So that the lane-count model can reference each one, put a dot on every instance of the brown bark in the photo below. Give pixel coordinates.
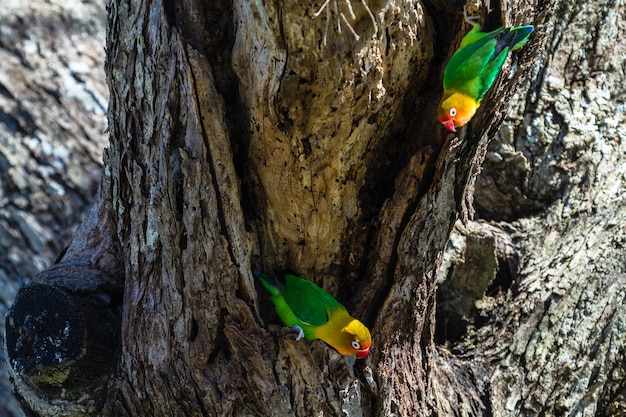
(277, 136)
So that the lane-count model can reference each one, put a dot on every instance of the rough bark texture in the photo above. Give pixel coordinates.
(549, 337)
(280, 136)
(53, 99)
(566, 314)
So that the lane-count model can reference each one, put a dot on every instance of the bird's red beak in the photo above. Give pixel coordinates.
(362, 353)
(449, 124)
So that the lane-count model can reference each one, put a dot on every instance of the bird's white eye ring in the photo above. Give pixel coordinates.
(452, 112)
(356, 344)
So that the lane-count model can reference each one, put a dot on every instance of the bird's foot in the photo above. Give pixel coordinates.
(300, 332)
(471, 19)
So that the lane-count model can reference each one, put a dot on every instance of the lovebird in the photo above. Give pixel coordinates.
(317, 315)
(473, 69)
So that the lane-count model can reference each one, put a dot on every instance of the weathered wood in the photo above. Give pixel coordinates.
(322, 106)
(63, 330)
(53, 100)
(62, 343)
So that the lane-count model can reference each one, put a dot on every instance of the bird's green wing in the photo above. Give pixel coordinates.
(466, 70)
(309, 303)
(476, 64)
(473, 36)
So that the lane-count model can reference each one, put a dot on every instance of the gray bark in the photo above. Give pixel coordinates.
(53, 99)
(549, 336)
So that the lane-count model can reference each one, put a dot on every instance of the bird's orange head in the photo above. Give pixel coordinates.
(357, 339)
(455, 110)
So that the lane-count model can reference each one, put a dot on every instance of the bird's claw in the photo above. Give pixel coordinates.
(300, 332)
(471, 19)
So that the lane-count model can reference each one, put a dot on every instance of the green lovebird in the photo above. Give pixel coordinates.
(317, 315)
(473, 69)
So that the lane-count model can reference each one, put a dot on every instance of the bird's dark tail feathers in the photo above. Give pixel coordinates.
(518, 36)
(269, 283)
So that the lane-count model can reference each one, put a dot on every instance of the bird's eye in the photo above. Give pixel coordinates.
(452, 112)
(356, 344)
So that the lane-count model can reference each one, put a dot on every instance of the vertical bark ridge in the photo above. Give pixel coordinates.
(190, 190)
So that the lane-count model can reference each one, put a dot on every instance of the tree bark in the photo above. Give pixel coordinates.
(53, 99)
(279, 136)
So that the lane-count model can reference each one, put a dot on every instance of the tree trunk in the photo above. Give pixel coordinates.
(53, 99)
(285, 137)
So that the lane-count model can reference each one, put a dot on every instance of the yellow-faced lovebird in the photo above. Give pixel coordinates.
(317, 315)
(473, 69)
